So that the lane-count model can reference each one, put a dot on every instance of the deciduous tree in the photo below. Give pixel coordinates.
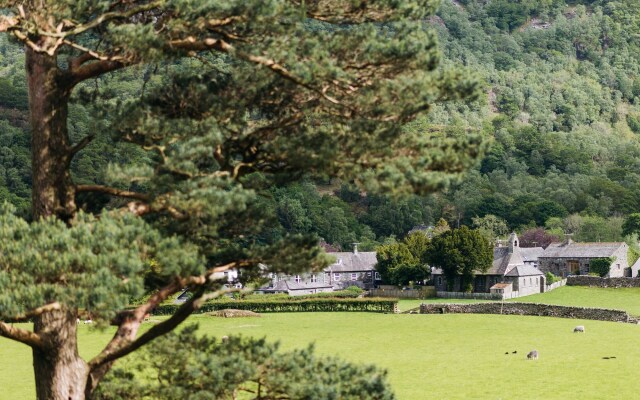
(460, 253)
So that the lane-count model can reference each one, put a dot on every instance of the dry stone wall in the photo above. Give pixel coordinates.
(598, 314)
(585, 280)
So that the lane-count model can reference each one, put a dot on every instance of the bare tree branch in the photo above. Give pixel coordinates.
(21, 335)
(157, 330)
(81, 144)
(123, 341)
(97, 68)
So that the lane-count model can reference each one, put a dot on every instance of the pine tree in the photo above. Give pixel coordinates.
(273, 90)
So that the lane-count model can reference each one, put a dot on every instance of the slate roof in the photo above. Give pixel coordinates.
(500, 286)
(285, 286)
(524, 270)
(531, 254)
(353, 262)
(503, 261)
(581, 250)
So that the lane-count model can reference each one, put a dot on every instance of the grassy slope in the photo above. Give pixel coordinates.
(436, 356)
(627, 299)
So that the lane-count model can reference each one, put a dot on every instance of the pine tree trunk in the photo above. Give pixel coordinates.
(60, 373)
(53, 192)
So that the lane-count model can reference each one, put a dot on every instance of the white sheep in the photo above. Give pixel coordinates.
(579, 328)
(533, 355)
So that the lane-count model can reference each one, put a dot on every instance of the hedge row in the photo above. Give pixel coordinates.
(306, 305)
(339, 294)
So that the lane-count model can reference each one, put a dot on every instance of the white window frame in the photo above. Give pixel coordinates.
(297, 278)
(354, 276)
(377, 276)
(336, 276)
(314, 278)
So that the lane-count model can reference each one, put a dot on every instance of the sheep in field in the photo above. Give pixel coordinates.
(579, 328)
(533, 355)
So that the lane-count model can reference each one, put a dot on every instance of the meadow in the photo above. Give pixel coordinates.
(429, 356)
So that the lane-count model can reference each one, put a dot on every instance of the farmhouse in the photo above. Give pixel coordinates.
(571, 258)
(296, 285)
(350, 269)
(353, 269)
(508, 273)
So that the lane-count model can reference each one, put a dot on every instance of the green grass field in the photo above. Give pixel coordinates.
(448, 356)
(627, 299)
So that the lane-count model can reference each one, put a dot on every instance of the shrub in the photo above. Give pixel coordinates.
(551, 278)
(600, 266)
(304, 305)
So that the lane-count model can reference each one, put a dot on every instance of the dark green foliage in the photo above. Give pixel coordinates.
(315, 304)
(550, 278)
(633, 123)
(600, 266)
(403, 262)
(631, 224)
(94, 264)
(460, 253)
(209, 368)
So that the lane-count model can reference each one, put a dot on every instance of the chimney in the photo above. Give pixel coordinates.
(567, 239)
(513, 242)
(355, 248)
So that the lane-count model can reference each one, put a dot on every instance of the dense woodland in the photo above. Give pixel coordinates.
(559, 114)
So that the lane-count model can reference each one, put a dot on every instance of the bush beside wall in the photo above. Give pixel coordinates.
(305, 305)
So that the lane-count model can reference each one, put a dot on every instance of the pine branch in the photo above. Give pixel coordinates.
(97, 68)
(123, 341)
(81, 144)
(106, 17)
(113, 192)
(38, 311)
(157, 330)
(21, 335)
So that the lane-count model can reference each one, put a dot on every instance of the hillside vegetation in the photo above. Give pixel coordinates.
(559, 113)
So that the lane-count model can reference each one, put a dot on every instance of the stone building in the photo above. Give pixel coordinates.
(508, 273)
(353, 269)
(571, 258)
(350, 269)
(297, 285)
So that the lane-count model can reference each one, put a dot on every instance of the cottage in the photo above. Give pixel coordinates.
(352, 269)
(571, 258)
(296, 286)
(508, 273)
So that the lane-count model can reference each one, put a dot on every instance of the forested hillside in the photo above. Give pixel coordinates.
(560, 113)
